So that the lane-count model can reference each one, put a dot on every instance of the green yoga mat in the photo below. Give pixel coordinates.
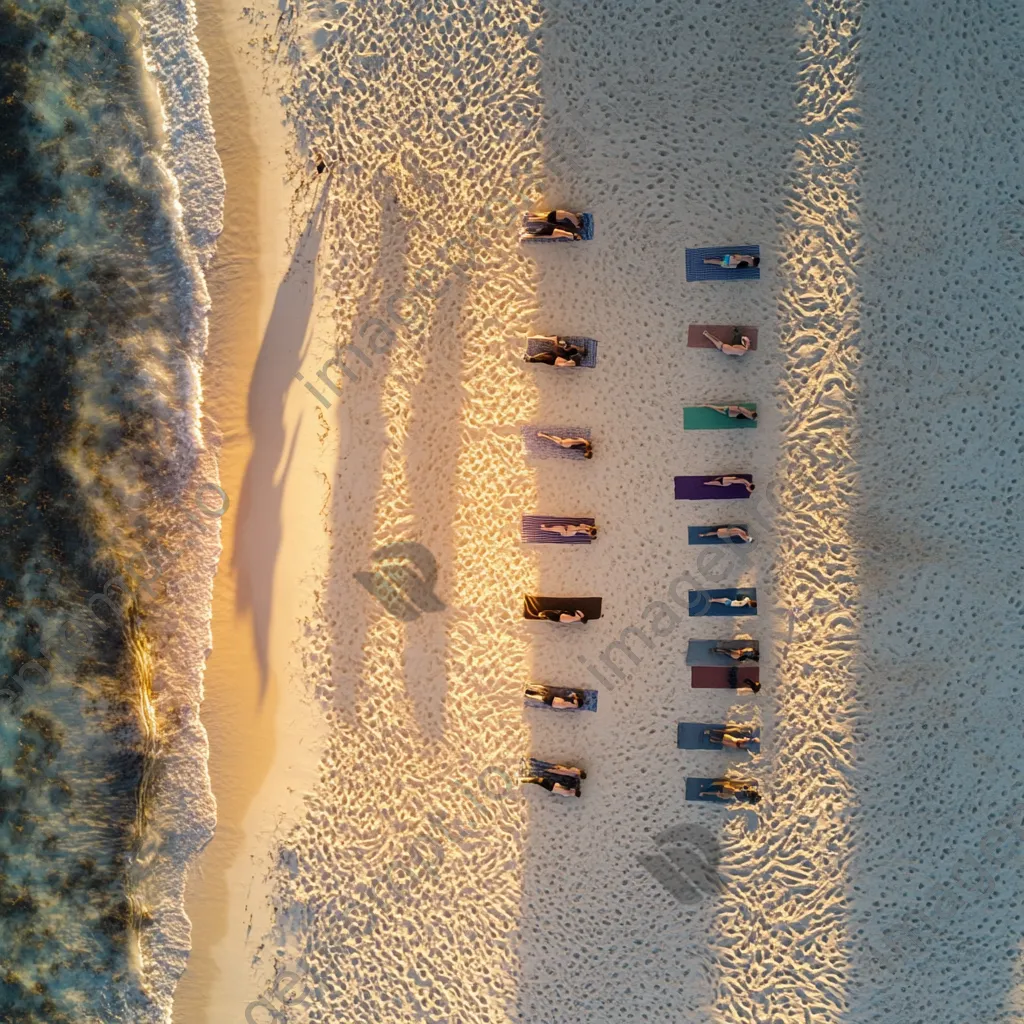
(697, 417)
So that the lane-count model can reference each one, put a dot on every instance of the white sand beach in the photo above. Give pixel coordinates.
(372, 841)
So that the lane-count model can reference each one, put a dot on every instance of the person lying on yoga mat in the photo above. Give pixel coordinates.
(735, 602)
(731, 789)
(565, 530)
(725, 532)
(734, 412)
(570, 442)
(728, 481)
(738, 346)
(556, 224)
(573, 699)
(734, 736)
(552, 786)
(738, 653)
(742, 685)
(734, 261)
(561, 769)
(553, 615)
(564, 355)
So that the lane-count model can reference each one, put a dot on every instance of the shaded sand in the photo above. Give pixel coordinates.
(886, 851)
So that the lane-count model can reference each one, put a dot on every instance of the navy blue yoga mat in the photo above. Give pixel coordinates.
(700, 603)
(698, 270)
(692, 736)
(696, 488)
(694, 534)
(589, 346)
(532, 532)
(589, 699)
(541, 448)
(698, 652)
(586, 231)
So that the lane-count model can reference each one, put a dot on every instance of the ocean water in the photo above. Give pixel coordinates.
(109, 503)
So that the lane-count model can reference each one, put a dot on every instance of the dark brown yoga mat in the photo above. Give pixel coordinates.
(695, 335)
(712, 677)
(534, 605)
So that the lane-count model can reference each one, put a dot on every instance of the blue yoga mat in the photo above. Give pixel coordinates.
(533, 534)
(589, 700)
(589, 345)
(696, 488)
(694, 534)
(701, 605)
(698, 270)
(698, 652)
(586, 230)
(541, 448)
(691, 736)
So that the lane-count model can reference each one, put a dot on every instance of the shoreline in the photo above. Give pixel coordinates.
(257, 748)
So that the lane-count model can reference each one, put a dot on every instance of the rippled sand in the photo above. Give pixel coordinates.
(870, 153)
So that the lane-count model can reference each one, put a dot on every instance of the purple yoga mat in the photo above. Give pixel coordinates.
(695, 335)
(693, 488)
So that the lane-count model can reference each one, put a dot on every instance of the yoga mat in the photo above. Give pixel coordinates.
(693, 534)
(586, 230)
(695, 336)
(589, 345)
(589, 700)
(541, 448)
(690, 736)
(693, 488)
(698, 270)
(700, 604)
(533, 534)
(698, 652)
(694, 788)
(533, 605)
(718, 677)
(699, 417)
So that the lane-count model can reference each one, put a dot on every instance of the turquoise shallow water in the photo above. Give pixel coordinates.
(100, 332)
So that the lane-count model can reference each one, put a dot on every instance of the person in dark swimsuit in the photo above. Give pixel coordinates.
(562, 355)
(738, 653)
(735, 683)
(557, 224)
(572, 699)
(565, 617)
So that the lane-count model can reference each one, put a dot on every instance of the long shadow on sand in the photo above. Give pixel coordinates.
(258, 537)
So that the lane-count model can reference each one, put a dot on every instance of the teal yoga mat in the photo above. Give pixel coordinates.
(697, 417)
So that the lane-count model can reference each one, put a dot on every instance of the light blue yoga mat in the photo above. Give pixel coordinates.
(532, 532)
(700, 603)
(534, 346)
(589, 700)
(693, 736)
(698, 652)
(586, 231)
(700, 417)
(541, 448)
(698, 270)
(694, 534)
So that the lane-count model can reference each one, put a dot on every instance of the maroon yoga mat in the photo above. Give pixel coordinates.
(714, 677)
(695, 336)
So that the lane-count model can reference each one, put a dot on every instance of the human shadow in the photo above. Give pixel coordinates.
(259, 529)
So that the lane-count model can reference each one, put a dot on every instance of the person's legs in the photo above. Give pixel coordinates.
(542, 357)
